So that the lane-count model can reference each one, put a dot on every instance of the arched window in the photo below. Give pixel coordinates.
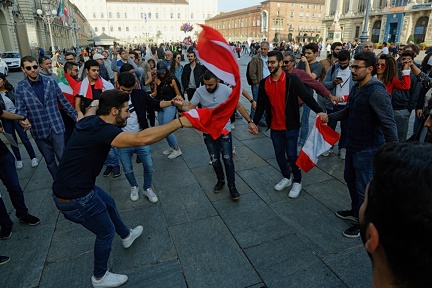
(420, 29)
(361, 5)
(333, 5)
(376, 29)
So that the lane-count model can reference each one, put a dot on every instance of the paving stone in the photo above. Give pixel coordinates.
(331, 193)
(262, 181)
(287, 262)
(262, 146)
(206, 177)
(333, 166)
(251, 221)
(196, 155)
(316, 225)
(185, 204)
(246, 159)
(352, 266)
(171, 173)
(166, 274)
(241, 133)
(209, 255)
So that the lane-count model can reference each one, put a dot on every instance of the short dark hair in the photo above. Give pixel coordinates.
(368, 57)
(134, 53)
(126, 79)
(69, 54)
(90, 63)
(276, 53)
(27, 58)
(415, 48)
(126, 67)
(209, 75)
(335, 44)
(191, 51)
(344, 55)
(111, 98)
(69, 66)
(399, 204)
(408, 53)
(152, 60)
(311, 46)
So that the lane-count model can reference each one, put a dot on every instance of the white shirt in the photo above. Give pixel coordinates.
(343, 89)
(385, 51)
(132, 122)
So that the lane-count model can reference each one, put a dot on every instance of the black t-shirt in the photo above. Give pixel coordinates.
(84, 157)
(85, 102)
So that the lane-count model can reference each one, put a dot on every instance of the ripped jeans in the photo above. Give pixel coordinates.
(215, 147)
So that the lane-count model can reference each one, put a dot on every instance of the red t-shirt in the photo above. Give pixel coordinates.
(276, 92)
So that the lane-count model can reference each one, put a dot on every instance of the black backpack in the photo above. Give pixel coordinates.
(249, 80)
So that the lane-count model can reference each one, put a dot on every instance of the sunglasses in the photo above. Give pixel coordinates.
(28, 68)
(286, 61)
(382, 66)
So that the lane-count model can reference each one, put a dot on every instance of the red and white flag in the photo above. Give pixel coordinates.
(217, 56)
(321, 139)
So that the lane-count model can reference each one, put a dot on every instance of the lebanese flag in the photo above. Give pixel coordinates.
(83, 88)
(321, 139)
(217, 56)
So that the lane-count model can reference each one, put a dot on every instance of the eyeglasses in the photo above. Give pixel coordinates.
(286, 61)
(356, 67)
(28, 68)
(271, 62)
(382, 66)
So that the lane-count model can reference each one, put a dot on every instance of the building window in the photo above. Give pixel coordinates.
(109, 15)
(300, 14)
(399, 3)
(96, 29)
(208, 16)
(103, 29)
(118, 14)
(157, 15)
(292, 5)
(178, 16)
(278, 22)
(102, 15)
(127, 29)
(307, 6)
(361, 5)
(191, 16)
(125, 15)
(357, 32)
(292, 14)
(94, 14)
(333, 5)
(301, 5)
(111, 28)
(149, 15)
(172, 15)
(277, 13)
(119, 29)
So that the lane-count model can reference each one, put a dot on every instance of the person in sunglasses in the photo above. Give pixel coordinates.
(387, 73)
(37, 98)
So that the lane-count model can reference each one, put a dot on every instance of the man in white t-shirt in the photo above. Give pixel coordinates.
(385, 50)
(211, 95)
(338, 80)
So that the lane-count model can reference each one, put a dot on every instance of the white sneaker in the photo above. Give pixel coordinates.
(109, 280)
(19, 164)
(175, 154)
(232, 126)
(151, 195)
(285, 182)
(133, 235)
(168, 151)
(342, 153)
(295, 190)
(34, 162)
(134, 193)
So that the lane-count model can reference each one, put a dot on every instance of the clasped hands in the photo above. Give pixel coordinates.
(25, 124)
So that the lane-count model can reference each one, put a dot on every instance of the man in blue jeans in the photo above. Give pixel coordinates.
(211, 95)
(9, 177)
(139, 100)
(370, 122)
(74, 191)
(278, 97)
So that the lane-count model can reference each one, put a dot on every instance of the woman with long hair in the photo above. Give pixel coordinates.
(165, 88)
(7, 102)
(176, 69)
(387, 71)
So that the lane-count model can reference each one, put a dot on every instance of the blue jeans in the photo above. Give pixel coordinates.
(343, 125)
(12, 126)
(112, 158)
(358, 173)
(304, 130)
(255, 89)
(97, 212)
(164, 116)
(223, 145)
(9, 177)
(144, 153)
(51, 148)
(285, 143)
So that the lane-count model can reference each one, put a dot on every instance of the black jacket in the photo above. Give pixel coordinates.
(198, 73)
(141, 100)
(294, 88)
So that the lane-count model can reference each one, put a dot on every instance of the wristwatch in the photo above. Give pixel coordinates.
(250, 121)
(251, 101)
(93, 105)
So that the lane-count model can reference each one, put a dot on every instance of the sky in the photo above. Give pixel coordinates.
(230, 5)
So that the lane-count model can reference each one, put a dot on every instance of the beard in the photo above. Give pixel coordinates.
(334, 54)
(275, 70)
(120, 122)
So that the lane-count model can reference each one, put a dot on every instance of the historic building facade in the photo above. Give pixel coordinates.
(289, 20)
(389, 20)
(136, 21)
(22, 28)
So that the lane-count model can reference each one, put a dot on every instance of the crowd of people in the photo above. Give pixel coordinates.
(103, 110)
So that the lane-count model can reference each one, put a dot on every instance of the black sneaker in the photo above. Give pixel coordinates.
(235, 195)
(218, 187)
(116, 171)
(352, 232)
(4, 259)
(30, 220)
(108, 171)
(5, 232)
(347, 215)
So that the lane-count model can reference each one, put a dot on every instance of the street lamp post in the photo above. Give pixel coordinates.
(364, 36)
(75, 27)
(48, 17)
